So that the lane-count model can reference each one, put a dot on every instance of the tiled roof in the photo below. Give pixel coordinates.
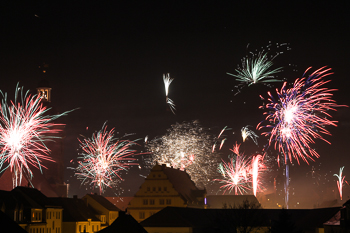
(8, 225)
(212, 218)
(104, 202)
(182, 183)
(125, 223)
(120, 202)
(74, 209)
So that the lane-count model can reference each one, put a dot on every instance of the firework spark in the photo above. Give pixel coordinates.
(235, 174)
(167, 81)
(186, 146)
(256, 68)
(340, 182)
(24, 129)
(246, 132)
(299, 115)
(103, 157)
(256, 168)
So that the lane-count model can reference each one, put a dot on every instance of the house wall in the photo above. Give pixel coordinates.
(53, 218)
(110, 215)
(155, 193)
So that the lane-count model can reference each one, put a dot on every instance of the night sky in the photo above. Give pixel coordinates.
(107, 59)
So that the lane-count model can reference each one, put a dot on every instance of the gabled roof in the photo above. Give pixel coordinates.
(182, 183)
(213, 218)
(74, 209)
(120, 202)
(103, 201)
(8, 225)
(125, 223)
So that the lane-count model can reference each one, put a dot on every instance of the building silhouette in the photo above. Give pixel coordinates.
(165, 186)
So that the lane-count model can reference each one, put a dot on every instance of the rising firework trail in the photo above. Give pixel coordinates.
(167, 81)
(340, 182)
(256, 168)
(298, 116)
(186, 146)
(103, 157)
(25, 126)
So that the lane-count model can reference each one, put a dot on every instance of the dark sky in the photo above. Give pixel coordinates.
(107, 58)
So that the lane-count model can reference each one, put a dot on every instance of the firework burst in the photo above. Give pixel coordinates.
(167, 81)
(25, 127)
(299, 115)
(256, 68)
(235, 173)
(186, 146)
(103, 157)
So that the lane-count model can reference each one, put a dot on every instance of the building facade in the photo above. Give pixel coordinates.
(164, 187)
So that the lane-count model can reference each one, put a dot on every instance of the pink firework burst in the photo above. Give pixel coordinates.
(235, 173)
(299, 115)
(103, 158)
(25, 127)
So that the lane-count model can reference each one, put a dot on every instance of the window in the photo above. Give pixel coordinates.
(154, 189)
(165, 188)
(93, 228)
(151, 213)
(97, 227)
(53, 224)
(84, 228)
(79, 228)
(159, 188)
(161, 201)
(148, 189)
(151, 201)
(168, 201)
(145, 201)
(142, 215)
